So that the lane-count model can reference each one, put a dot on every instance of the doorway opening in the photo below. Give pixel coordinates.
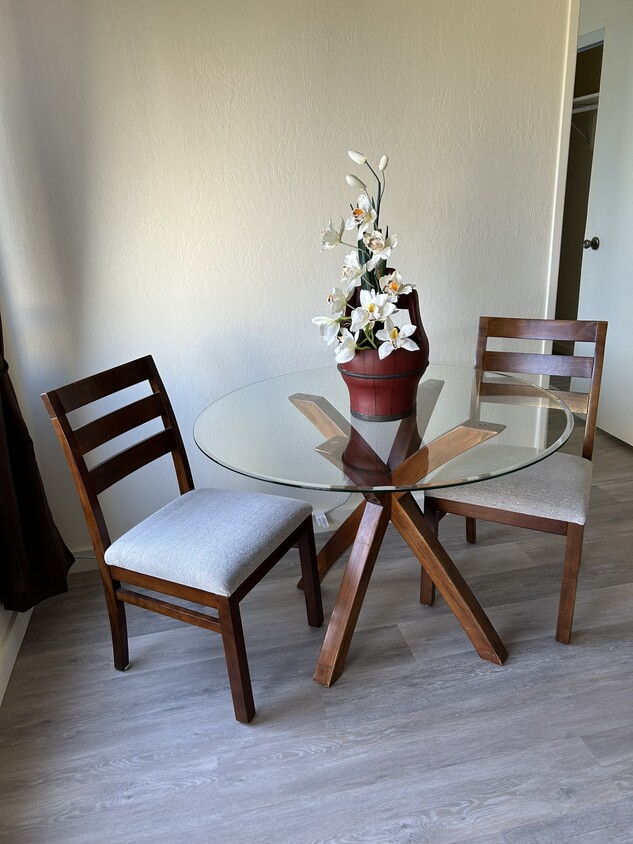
(583, 127)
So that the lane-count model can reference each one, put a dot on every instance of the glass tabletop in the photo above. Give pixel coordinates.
(267, 431)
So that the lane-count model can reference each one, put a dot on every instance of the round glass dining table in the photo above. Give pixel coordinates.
(468, 426)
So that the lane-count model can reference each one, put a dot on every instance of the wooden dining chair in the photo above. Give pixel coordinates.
(552, 495)
(208, 546)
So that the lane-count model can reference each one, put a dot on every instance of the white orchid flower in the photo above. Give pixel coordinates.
(392, 285)
(355, 182)
(351, 273)
(363, 215)
(393, 337)
(346, 348)
(337, 301)
(382, 164)
(358, 157)
(328, 328)
(331, 237)
(379, 246)
(374, 307)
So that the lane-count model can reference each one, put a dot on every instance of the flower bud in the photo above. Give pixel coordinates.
(355, 182)
(358, 157)
(382, 165)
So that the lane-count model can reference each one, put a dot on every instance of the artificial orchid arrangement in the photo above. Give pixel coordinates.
(363, 312)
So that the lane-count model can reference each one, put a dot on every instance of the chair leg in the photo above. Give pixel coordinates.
(471, 529)
(236, 659)
(118, 625)
(427, 587)
(571, 567)
(310, 576)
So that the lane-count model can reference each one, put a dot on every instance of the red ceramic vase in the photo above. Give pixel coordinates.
(383, 390)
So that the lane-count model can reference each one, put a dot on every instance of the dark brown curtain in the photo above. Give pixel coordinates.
(34, 560)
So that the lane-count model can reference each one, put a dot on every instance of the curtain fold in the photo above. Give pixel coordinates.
(34, 560)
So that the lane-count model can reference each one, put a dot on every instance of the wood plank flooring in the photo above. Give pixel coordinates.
(419, 741)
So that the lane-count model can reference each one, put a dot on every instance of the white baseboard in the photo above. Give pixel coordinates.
(12, 636)
(335, 517)
(84, 561)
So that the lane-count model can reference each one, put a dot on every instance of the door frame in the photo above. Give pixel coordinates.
(560, 179)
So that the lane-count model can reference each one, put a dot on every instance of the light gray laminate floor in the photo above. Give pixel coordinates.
(419, 741)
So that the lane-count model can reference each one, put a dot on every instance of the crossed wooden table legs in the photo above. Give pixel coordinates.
(365, 528)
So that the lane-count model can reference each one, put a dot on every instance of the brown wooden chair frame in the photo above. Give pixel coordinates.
(581, 366)
(91, 482)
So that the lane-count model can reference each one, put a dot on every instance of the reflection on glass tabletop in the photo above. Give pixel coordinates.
(297, 430)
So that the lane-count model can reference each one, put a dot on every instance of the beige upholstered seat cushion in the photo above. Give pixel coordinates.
(209, 539)
(555, 488)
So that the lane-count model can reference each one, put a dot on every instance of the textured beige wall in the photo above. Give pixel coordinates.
(595, 14)
(166, 167)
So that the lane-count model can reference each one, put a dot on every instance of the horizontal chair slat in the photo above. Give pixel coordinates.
(98, 386)
(526, 395)
(577, 402)
(131, 459)
(537, 364)
(538, 329)
(190, 616)
(502, 388)
(114, 424)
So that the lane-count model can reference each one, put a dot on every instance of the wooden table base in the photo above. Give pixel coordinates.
(352, 591)
(365, 528)
(402, 510)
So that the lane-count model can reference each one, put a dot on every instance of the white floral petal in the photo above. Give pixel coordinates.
(359, 319)
(331, 237)
(357, 157)
(355, 182)
(348, 286)
(345, 355)
(409, 345)
(385, 350)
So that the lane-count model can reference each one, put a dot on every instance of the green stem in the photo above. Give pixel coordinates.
(368, 331)
(379, 193)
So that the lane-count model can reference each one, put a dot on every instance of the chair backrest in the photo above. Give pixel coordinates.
(568, 365)
(81, 439)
